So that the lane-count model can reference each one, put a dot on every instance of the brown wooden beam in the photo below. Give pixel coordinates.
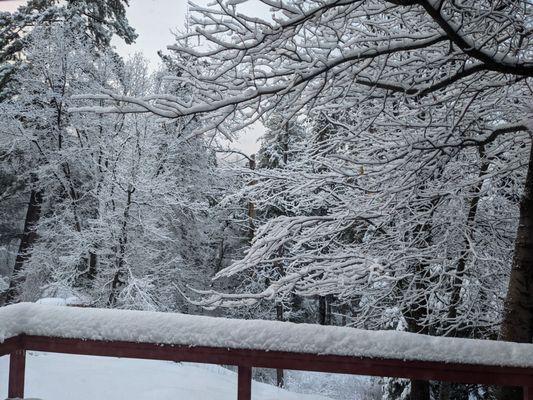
(10, 345)
(528, 392)
(17, 366)
(422, 370)
(244, 387)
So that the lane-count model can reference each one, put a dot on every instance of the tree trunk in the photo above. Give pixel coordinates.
(93, 262)
(29, 236)
(279, 372)
(444, 391)
(517, 324)
(419, 390)
(280, 378)
(251, 205)
(118, 281)
(322, 310)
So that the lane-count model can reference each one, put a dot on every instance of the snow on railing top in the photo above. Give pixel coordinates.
(180, 329)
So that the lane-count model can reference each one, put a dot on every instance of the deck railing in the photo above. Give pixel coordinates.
(246, 359)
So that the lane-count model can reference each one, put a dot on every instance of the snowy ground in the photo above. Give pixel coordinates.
(66, 377)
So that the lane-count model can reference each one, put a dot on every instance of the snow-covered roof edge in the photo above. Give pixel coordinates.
(181, 329)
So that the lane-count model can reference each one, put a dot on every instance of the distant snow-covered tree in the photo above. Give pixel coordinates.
(124, 212)
(101, 20)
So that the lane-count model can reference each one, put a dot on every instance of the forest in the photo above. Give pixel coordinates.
(392, 190)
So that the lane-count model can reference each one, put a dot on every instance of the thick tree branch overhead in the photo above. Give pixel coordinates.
(309, 53)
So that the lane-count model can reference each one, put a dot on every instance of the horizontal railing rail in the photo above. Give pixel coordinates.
(256, 344)
(246, 359)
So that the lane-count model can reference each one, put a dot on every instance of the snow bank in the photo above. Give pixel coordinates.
(180, 329)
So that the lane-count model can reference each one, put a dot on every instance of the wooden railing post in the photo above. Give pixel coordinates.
(17, 366)
(244, 388)
(528, 393)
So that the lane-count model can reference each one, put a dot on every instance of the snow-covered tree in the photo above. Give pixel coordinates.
(101, 20)
(37, 125)
(96, 22)
(124, 201)
(430, 101)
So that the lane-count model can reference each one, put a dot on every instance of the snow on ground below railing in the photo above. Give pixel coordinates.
(67, 377)
(181, 329)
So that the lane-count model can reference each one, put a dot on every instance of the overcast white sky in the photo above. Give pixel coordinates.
(154, 21)
(10, 5)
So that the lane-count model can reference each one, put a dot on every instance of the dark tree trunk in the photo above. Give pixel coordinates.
(445, 390)
(322, 309)
(118, 281)
(29, 236)
(279, 372)
(280, 378)
(419, 390)
(517, 324)
(93, 262)
(251, 205)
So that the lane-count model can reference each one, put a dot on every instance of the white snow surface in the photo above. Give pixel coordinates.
(180, 329)
(66, 377)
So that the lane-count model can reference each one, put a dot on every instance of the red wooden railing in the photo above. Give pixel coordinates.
(17, 346)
